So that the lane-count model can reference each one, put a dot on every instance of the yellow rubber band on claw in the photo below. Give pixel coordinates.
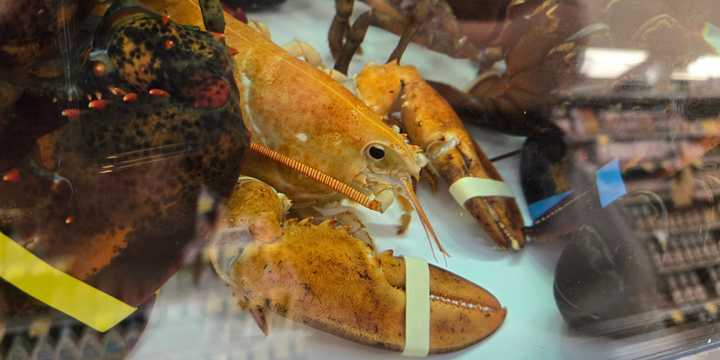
(59, 290)
(417, 307)
(472, 187)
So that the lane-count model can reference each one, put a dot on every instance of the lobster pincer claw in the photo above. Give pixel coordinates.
(431, 123)
(453, 301)
(321, 275)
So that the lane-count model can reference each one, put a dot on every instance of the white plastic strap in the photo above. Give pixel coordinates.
(471, 187)
(417, 307)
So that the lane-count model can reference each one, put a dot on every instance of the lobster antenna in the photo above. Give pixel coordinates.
(317, 175)
(506, 155)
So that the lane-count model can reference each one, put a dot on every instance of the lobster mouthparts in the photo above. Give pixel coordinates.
(322, 276)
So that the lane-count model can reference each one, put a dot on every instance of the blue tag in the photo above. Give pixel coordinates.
(540, 207)
(610, 183)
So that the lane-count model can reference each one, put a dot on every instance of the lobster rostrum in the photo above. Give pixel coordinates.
(327, 276)
(118, 144)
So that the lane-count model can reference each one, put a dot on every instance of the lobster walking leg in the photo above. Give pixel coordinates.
(422, 13)
(340, 26)
(355, 37)
(344, 39)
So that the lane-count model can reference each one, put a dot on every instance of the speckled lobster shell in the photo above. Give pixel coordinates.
(111, 148)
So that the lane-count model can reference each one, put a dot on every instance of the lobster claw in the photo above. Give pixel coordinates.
(431, 123)
(453, 300)
(321, 275)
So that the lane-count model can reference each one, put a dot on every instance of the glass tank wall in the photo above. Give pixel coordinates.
(372, 179)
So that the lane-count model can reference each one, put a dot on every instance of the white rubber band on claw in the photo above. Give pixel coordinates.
(417, 307)
(471, 187)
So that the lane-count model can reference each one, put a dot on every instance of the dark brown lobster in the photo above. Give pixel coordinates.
(113, 121)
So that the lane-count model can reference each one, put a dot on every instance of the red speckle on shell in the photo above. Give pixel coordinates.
(97, 104)
(158, 92)
(117, 91)
(12, 176)
(72, 114)
(212, 94)
(99, 69)
(130, 97)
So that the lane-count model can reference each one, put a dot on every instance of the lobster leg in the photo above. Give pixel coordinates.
(518, 101)
(344, 39)
(340, 26)
(355, 37)
(541, 48)
(444, 33)
(420, 15)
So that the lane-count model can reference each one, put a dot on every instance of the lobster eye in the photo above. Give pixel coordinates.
(376, 152)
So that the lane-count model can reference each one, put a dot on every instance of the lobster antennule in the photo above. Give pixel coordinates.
(429, 230)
